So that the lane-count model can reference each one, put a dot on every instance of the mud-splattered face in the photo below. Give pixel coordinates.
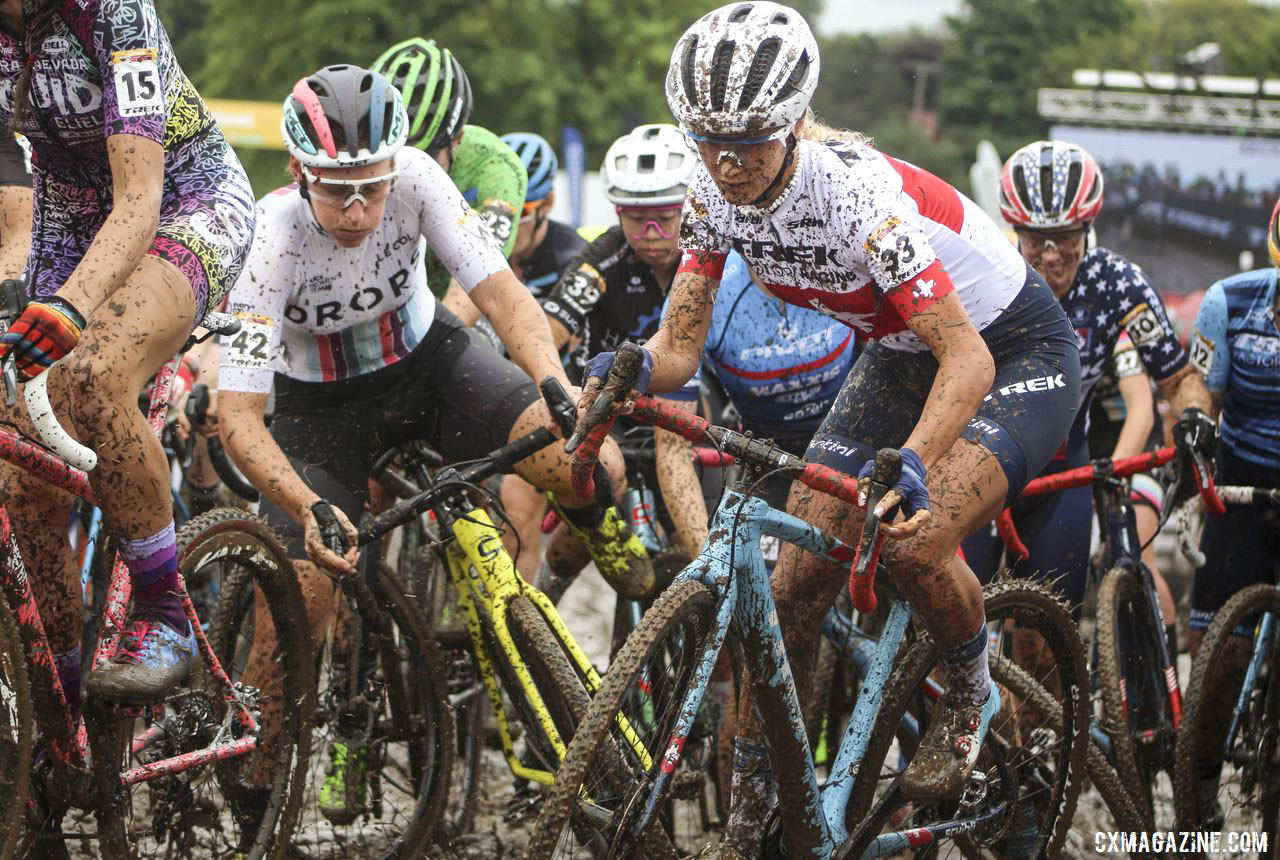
(742, 171)
(1056, 255)
(347, 211)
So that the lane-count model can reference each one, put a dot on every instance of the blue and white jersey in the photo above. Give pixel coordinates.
(781, 365)
(1236, 345)
(1112, 296)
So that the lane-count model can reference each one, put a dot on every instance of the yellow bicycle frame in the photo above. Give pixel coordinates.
(486, 577)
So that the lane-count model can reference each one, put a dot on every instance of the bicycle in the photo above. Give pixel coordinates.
(624, 759)
(512, 645)
(1140, 710)
(1244, 741)
(197, 741)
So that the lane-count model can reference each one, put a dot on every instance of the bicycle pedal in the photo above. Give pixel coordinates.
(687, 785)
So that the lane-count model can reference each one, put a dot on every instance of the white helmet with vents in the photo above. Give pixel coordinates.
(745, 68)
(650, 166)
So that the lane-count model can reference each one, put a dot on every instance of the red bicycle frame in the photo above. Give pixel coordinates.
(53, 713)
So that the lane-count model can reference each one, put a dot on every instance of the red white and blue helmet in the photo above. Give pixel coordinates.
(1273, 236)
(344, 116)
(1050, 184)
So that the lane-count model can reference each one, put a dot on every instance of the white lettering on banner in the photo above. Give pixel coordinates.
(1030, 386)
(1233, 842)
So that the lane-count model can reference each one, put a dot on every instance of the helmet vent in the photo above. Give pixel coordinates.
(644, 164)
(738, 15)
(1020, 185)
(1074, 173)
(796, 80)
(686, 71)
(675, 160)
(761, 64)
(720, 63)
(780, 18)
(1046, 188)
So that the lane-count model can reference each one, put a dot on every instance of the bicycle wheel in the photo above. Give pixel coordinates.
(1247, 796)
(1027, 762)
(15, 732)
(604, 781)
(385, 728)
(1134, 696)
(248, 804)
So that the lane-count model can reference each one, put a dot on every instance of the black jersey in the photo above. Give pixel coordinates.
(550, 259)
(607, 296)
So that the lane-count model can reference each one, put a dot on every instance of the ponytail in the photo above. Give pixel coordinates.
(819, 132)
(38, 20)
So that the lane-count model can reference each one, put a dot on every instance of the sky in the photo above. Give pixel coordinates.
(857, 16)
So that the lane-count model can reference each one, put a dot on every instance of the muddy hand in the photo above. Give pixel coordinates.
(330, 538)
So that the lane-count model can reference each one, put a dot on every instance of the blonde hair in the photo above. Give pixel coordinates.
(818, 131)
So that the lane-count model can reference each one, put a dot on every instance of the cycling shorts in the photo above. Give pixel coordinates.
(206, 226)
(1144, 489)
(454, 391)
(1240, 547)
(1055, 529)
(1023, 421)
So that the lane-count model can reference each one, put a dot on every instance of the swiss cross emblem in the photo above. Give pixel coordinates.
(924, 288)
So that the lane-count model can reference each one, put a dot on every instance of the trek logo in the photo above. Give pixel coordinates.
(1030, 386)
(756, 249)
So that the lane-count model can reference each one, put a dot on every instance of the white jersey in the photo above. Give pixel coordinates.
(865, 238)
(318, 312)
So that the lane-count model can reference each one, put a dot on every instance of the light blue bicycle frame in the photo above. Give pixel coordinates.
(731, 565)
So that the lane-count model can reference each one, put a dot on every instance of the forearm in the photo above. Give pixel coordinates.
(259, 457)
(456, 302)
(1139, 416)
(1186, 389)
(675, 359)
(1133, 437)
(113, 255)
(677, 346)
(523, 329)
(963, 380)
(15, 230)
(678, 482)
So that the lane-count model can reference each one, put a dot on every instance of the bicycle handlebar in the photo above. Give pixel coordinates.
(1101, 468)
(49, 431)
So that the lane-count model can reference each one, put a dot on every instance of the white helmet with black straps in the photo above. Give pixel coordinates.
(650, 166)
(745, 68)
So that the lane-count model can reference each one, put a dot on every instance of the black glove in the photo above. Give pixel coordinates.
(1195, 437)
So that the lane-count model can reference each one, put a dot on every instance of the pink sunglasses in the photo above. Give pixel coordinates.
(643, 232)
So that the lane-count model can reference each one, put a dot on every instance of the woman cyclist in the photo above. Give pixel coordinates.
(971, 370)
(142, 220)
(1051, 191)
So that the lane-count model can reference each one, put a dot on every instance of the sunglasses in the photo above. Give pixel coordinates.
(710, 147)
(1038, 243)
(645, 218)
(341, 193)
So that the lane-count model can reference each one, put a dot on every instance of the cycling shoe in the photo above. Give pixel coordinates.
(949, 750)
(151, 659)
(619, 555)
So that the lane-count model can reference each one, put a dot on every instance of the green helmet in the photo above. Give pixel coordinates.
(437, 94)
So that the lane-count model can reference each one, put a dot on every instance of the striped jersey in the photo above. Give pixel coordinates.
(318, 312)
(862, 237)
(1236, 345)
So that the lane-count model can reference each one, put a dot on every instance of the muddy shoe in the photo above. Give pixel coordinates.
(151, 659)
(946, 756)
(619, 555)
(720, 851)
(342, 796)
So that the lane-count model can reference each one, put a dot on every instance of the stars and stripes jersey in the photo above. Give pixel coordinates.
(318, 312)
(863, 237)
(1112, 297)
(1236, 345)
(782, 368)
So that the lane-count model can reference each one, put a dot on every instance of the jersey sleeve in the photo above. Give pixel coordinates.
(704, 244)
(455, 232)
(248, 360)
(575, 296)
(1147, 323)
(889, 242)
(1210, 353)
(1125, 361)
(501, 187)
(128, 41)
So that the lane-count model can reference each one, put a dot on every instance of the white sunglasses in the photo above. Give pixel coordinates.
(356, 194)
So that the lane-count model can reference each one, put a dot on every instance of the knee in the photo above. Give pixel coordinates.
(913, 561)
(94, 390)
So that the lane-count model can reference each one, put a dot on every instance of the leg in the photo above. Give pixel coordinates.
(525, 505)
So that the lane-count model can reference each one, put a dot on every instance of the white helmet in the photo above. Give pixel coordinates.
(651, 166)
(744, 68)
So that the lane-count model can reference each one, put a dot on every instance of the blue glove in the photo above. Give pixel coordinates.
(910, 485)
(601, 363)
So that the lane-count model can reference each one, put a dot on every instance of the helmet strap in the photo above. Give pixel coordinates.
(782, 172)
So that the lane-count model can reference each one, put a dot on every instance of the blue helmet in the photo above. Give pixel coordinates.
(538, 158)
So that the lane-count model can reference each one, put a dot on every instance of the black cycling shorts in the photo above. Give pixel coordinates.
(1023, 421)
(454, 391)
(1240, 547)
(13, 161)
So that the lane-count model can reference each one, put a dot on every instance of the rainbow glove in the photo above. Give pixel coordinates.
(45, 332)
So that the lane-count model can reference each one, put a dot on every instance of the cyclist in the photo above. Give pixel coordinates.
(338, 316)
(614, 290)
(15, 205)
(493, 181)
(1235, 343)
(544, 249)
(1050, 192)
(142, 219)
(826, 221)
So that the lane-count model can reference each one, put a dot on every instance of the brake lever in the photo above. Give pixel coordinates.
(626, 366)
(560, 404)
(862, 578)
